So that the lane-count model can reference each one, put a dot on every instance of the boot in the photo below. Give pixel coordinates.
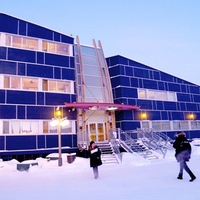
(180, 176)
(192, 178)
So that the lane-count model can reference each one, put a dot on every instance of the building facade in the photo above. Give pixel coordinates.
(167, 103)
(41, 69)
(36, 75)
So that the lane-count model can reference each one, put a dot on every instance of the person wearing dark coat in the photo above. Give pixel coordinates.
(183, 153)
(95, 158)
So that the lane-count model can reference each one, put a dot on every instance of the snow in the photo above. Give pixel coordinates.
(135, 178)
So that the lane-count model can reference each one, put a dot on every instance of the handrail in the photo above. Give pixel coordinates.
(115, 145)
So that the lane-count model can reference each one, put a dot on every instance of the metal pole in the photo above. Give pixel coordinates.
(59, 144)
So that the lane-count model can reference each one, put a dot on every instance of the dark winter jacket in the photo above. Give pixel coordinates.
(183, 148)
(95, 157)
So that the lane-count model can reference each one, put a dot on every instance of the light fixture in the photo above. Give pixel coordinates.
(112, 108)
(143, 116)
(93, 108)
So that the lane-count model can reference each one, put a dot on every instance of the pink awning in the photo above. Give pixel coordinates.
(100, 106)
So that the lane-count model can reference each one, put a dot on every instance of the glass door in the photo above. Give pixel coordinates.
(96, 131)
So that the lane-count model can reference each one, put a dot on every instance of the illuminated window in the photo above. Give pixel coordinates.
(45, 126)
(51, 47)
(6, 82)
(8, 40)
(15, 83)
(52, 85)
(142, 94)
(156, 95)
(63, 86)
(45, 85)
(17, 42)
(30, 43)
(29, 84)
(62, 48)
(44, 46)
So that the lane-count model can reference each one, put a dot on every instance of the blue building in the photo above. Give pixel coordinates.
(167, 103)
(36, 75)
(41, 69)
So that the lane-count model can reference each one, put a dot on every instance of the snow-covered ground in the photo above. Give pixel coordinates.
(135, 178)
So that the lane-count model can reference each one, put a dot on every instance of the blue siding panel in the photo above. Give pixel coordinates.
(20, 142)
(194, 89)
(21, 69)
(21, 112)
(183, 97)
(40, 98)
(164, 115)
(134, 82)
(21, 55)
(39, 32)
(7, 112)
(68, 74)
(39, 112)
(161, 85)
(150, 84)
(170, 106)
(21, 97)
(22, 27)
(71, 62)
(39, 71)
(57, 60)
(141, 73)
(197, 98)
(40, 58)
(177, 116)
(116, 70)
(7, 67)
(56, 99)
(41, 141)
(2, 142)
(174, 87)
(57, 73)
(2, 96)
(191, 106)
(144, 104)
(128, 71)
(2, 52)
(67, 39)
(8, 24)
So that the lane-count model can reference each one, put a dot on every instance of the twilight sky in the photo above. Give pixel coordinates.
(162, 34)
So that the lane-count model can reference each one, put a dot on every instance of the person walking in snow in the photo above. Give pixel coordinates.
(183, 153)
(95, 158)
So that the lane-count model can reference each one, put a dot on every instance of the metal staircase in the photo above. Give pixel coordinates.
(147, 143)
(108, 156)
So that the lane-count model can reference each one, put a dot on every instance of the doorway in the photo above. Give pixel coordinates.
(96, 131)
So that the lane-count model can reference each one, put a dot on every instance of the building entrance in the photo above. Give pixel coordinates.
(96, 131)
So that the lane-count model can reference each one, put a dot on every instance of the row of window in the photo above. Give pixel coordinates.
(24, 127)
(36, 84)
(22, 42)
(156, 95)
(176, 125)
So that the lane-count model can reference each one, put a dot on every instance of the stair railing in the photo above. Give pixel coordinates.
(115, 145)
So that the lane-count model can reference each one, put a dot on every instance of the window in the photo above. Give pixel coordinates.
(5, 127)
(52, 85)
(156, 95)
(17, 42)
(15, 83)
(145, 125)
(142, 94)
(6, 82)
(8, 40)
(29, 43)
(29, 84)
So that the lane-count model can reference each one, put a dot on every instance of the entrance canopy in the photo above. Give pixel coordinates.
(100, 106)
